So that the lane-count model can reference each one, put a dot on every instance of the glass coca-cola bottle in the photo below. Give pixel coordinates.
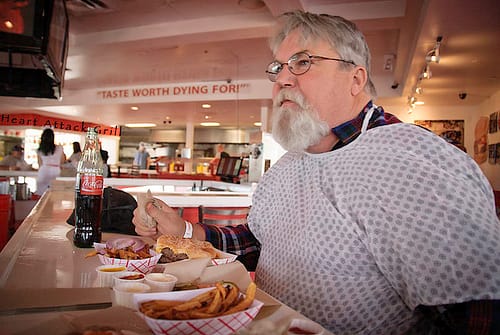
(88, 193)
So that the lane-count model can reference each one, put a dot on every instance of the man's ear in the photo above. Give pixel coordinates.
(360, 77)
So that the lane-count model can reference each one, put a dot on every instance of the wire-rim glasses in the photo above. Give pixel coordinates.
(298, 64)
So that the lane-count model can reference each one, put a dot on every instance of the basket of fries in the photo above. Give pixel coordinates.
(142, 260)
(216, 311)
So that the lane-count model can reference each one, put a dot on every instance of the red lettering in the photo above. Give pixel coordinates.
(113, 94)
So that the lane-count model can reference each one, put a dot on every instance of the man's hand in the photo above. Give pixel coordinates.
(168, 220)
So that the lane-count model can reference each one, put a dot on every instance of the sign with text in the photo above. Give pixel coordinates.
(173, 90)
(40, 121)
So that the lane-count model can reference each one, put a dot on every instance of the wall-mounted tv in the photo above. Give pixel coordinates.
(33, 48)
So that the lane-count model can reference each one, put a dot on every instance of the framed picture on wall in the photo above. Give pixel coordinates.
(493, 122)
(451, 130)
(498, 120)
(497, 155)
(492, 153)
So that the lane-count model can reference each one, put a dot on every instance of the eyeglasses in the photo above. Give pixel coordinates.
(298, 64)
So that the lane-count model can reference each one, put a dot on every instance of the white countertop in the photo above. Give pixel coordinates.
(41, 257)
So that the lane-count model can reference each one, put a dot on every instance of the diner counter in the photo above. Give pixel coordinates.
(177, 193)
(41, 267)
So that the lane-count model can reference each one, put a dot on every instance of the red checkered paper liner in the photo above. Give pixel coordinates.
(145, 265)
(222, 325)
(223, 258)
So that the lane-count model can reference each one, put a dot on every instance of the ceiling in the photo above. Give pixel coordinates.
(121, 44)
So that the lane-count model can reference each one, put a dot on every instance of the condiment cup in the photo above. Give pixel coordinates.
(123, 293)
(106, 273)
(128, 277)
(161, 282)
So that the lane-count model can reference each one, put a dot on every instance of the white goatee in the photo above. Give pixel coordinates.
(298, 127)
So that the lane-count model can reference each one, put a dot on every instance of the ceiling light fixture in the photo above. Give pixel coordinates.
(210, 124)
(433, 57)
(206, 106)
(257, 124)
(140, 125)
(433, 54)
(8, 24)
(426, 73)
(134, 108)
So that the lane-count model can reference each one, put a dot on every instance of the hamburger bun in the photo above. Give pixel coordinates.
(191, 247)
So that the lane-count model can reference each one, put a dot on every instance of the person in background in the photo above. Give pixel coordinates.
(105, 157)
(366, 225)
(76, 155)
(15, 160)
(50, 159)
(141, 157)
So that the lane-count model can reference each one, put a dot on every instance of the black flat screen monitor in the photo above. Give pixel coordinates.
(33, 47)
(229, 168)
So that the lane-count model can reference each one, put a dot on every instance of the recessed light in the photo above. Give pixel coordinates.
(419, 102)
(257, 124)
(206, 106)
(8, 24)
(134, 108)
(210, 124)
(140, 125)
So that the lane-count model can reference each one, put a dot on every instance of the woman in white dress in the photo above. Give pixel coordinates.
(76, 155)
(50, 159)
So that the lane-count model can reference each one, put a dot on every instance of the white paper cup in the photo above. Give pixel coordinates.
(161, 282)
(106, 273)
(123, 293)
(128, 277)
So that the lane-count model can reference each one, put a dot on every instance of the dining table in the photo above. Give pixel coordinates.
(47, 283)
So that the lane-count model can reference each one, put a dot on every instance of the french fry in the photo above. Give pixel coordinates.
(231, 297)
(164, 314)
(207, 296)
(157, 304)
(186, 306)
(91, 254)
(246, 302)
(221, 289)
(216, 303)
(184, 315)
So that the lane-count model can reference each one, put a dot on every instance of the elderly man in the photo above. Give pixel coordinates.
(366, 225)
(15, 160)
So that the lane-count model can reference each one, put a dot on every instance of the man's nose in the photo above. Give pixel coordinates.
(286, 78)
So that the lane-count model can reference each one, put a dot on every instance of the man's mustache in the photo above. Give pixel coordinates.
(287, 95)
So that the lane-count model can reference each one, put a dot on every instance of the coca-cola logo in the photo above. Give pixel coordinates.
(91, 184)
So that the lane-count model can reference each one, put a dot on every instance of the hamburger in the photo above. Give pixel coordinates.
(191, 248)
